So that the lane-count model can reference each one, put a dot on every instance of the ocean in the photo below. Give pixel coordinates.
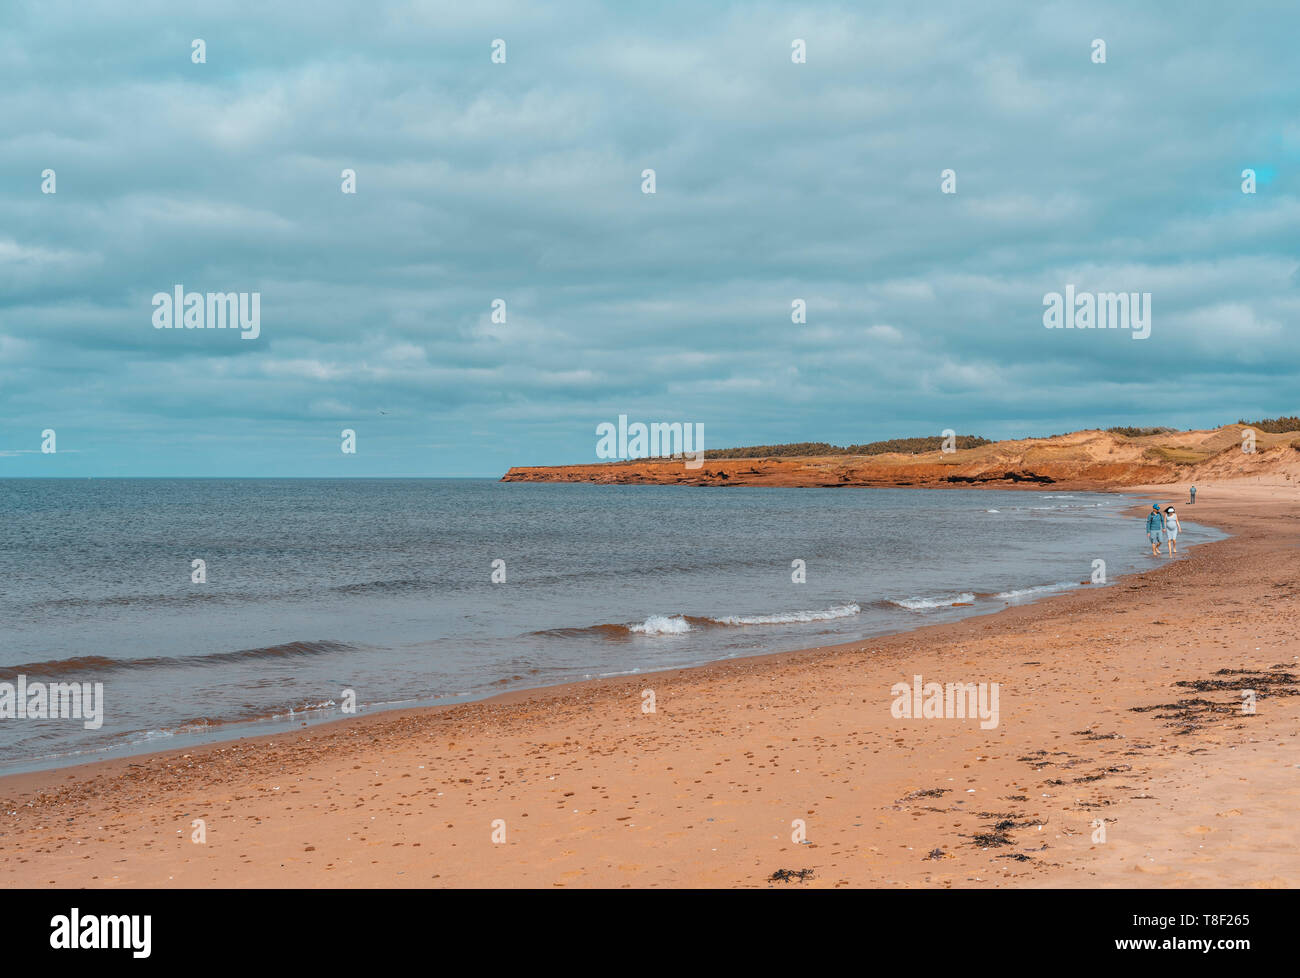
(386, 588)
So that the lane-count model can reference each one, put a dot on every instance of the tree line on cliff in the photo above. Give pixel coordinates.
(906, 446)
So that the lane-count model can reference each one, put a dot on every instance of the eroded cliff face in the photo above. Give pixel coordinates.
(1081, 460)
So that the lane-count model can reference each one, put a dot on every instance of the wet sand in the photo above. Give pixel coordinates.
(590, 790)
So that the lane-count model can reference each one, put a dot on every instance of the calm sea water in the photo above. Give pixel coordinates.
(385, 587)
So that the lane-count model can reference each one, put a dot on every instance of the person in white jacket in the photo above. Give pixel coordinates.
(1171, 529)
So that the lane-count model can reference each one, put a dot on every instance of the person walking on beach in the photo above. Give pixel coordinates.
(1171, 529)
(1155, 529)
(1193, 494)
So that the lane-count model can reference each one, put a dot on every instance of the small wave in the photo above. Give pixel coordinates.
(604, 631)
(921, 604)
(1026, 592)
(98, 663)
(992, 510)
(304, 709)
(681, 624)
(662, 625)
(791, 617)
(208, 597)
(197, 597)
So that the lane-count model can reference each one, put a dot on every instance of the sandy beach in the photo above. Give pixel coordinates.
(1119, 705)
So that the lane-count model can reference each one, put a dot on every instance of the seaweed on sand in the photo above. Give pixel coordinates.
(1003, 822)
(786, 875)
(991, 840)
(1191, 714)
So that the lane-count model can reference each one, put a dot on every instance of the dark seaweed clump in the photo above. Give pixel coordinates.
(1191, 714)
(786, 875)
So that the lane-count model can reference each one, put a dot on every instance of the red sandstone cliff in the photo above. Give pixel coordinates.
(1082, 460)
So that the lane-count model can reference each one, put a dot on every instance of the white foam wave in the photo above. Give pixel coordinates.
(792, 617)
(919, 604)
(662, 625)
(1026, 592)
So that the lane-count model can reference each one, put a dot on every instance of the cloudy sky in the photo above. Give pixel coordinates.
(521, 181)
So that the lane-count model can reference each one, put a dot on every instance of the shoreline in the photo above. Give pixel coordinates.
(283, 725)
(146, 797)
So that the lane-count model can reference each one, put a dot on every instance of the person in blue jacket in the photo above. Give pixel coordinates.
(1155, 529)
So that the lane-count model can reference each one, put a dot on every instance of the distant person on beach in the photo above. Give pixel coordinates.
(1155, 529)
(1193, 494)
(1171, 529)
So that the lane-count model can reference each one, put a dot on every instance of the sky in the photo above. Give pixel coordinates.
(478, 180)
